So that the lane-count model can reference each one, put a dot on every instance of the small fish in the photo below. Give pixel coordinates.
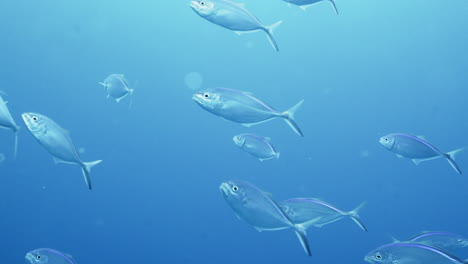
(259, 210)
(117, 87)
(304, 4)
(243, 108)
(48, 256)
(233, 16)
(417, 149)
(314, 212)
(256, 146)
(6, 121)
(411, 253)
(57, 142)
(445, 240)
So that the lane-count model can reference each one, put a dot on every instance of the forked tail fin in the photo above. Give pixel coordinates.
(269, 30)
(289, 118)
(302, 236)
(354, 214)
(451, 159)
(86, 169)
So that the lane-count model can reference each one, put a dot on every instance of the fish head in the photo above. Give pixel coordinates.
(203, 8)
(387, 141)
(462, 242)
(378, 256)
(36, 257)
(36, 123)
(234, 193)
(239, 140)
(208, 100)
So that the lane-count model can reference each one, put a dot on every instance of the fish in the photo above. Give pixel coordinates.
(304, 4)
(315, 212)
(256, 146)
(445, 240)
(259, 210)
(57, 142)
(233, 16)
(48, 256)
(7, 121)
(242, 107)
(411, 253)
(117, 87)
(417, 149)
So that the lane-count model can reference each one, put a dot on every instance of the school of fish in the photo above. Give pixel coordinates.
(249, 203)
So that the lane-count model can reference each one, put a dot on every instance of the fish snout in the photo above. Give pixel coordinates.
(194, 4)
(224, 188)
(198, 98)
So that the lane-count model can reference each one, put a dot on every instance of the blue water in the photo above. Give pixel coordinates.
(377, 68)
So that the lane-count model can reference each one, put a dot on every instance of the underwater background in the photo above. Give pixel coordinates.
(377, 68)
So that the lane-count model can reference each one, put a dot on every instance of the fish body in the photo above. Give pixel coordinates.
(259, 210)
(232, 16)
(48, 256)
(444, 240)
(308, 3)
(411, 253)
(314, 212)
(57, 142)
(256, 146)
(417, 149)
(117, 87)
(7, 121)
(243, 108)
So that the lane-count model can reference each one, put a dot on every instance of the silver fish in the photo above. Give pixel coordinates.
(417, 149)
(233, 16)
(411, 253)
(314, 212)
(445, 240)
(6, 121)
(304, 4)
(259, 210)
(243, 108)
(256, 146)
(57, 142)
(48, 256)
(117, 87)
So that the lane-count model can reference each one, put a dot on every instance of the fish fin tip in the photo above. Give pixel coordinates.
(416, 161)
(451, 159)
(270, 30)
(334, 6)
(277, 155)
(354, 214)
(289, 118)
(301, 234)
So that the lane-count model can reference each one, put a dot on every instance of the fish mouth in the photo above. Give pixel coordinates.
(29, 257)
(198, 98)
(194, 4)
(224, 188)
(27, 119)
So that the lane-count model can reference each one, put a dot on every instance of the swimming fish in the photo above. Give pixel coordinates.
(48, 256)
(445, 240)
(6, 121)
(243, 108)
(259, 210)
(304, 4)
(417, 149)
(117, 87)
(233, 16)
(411, 253)
(314, 212)
(256, 146)
(57, 142)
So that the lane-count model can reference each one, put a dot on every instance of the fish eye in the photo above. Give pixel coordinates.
(34, 118)
(235, 188)
(378, 257)
(38, 257)
(206, 95)
(202, 3)
(386, 139)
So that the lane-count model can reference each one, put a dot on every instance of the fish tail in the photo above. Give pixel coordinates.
(354, 214)
(289, 118)
(451, 159)
(86, 169)
(302, 236)
(334, 6)
(277, 155)
(269, 30)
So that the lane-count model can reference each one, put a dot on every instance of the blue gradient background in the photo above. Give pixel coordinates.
(378, 67)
